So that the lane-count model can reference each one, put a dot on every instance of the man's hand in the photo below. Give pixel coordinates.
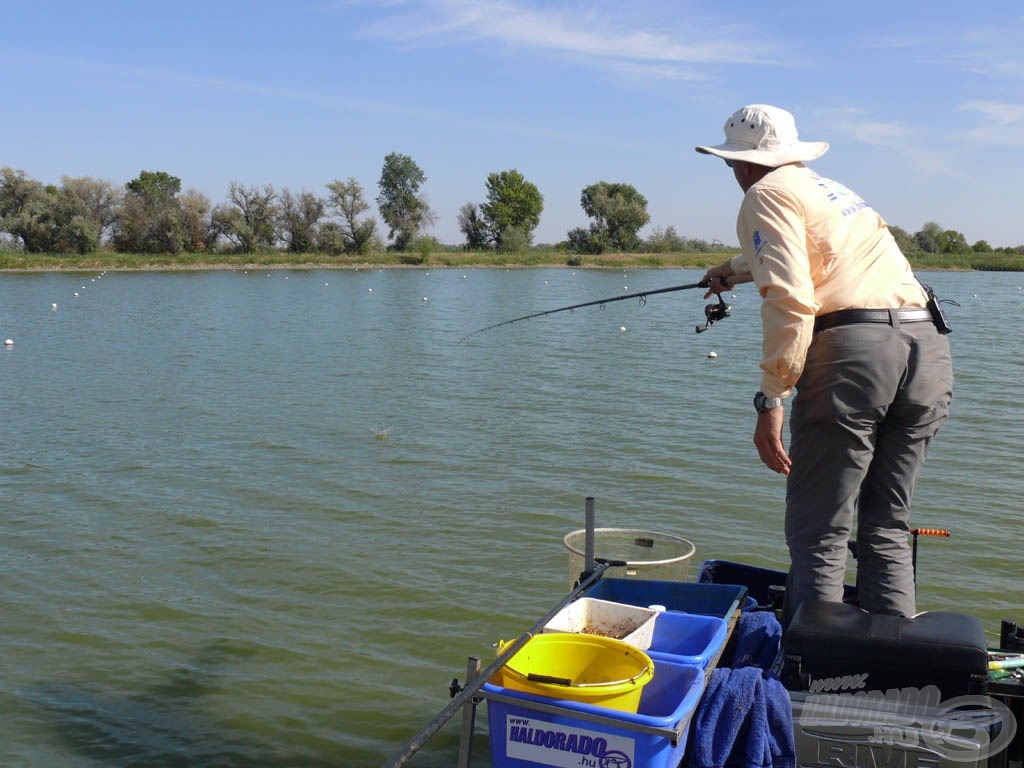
(768, 439)
(722, 278)
(717, 278)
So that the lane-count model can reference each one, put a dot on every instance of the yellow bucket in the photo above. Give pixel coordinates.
(591, 669)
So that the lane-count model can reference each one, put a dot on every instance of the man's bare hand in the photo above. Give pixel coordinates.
(768, 439)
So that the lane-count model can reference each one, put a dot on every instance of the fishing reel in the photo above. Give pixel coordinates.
(713, 313)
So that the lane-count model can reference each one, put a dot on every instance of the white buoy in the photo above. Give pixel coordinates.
(425, 298)
(76, 293)
(712, 354)
(622, 327)
(370, 290)
(54, 306)
(8, 342)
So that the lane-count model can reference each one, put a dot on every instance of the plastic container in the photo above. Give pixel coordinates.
(596, 670)
(628, 623)
(721, 600)
(688, 638)
(760, 582)
(648, 554)
(522, 737)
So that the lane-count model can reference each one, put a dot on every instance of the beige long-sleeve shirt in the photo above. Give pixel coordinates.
(813, 247)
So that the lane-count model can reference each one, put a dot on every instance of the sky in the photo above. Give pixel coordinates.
(922, 102)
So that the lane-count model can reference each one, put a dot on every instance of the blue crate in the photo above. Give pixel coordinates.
(522, 737)
(757, 580)
(688, 638)
(721, 600)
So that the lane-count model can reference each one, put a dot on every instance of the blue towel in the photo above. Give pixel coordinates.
(779, 711)
(758, 639)
(744, 720)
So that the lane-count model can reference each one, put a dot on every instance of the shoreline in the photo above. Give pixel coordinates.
(546, 259)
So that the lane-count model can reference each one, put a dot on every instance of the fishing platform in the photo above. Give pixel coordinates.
(640, 667)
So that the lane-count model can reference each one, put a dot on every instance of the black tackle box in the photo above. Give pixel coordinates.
(836, 646)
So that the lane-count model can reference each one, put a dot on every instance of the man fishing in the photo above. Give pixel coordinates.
(850, 329)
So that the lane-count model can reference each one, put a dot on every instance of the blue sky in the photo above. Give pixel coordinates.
(923, 103)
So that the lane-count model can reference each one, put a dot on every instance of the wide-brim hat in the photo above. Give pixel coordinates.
(765, 135)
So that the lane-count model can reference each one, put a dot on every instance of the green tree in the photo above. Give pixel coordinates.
(951, 241)
(473, 226)
(592, 239)
(98, 200)
(151, 218)
(330, 239)
(198, 232)
(248, 219)
(24, 208)
(300, 217)
(44, 218)
(400, 203)
(346, 201)
(669, 241)
(512, 208)
(928, 237)
(618, 210)
(981, 246)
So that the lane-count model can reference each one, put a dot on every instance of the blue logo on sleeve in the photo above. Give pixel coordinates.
(759, 243)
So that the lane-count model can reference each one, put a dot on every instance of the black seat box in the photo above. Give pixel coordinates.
(838, 647)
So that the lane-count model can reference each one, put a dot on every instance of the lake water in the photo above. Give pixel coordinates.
(262, 518)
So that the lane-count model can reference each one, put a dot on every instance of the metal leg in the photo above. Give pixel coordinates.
(468, 716)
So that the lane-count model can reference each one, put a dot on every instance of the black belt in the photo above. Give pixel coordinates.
(850, 316)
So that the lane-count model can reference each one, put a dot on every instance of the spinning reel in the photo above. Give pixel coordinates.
(713, 313)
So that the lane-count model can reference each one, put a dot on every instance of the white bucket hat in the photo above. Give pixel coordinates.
(765, 135)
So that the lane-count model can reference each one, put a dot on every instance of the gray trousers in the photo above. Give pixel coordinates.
(870, 400)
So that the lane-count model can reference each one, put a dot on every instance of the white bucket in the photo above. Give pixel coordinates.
(628, 623)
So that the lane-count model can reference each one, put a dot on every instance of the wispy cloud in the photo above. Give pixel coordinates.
(991, 52)
(594, 34)
(904, 141)
(1003, 126)
(118, 76)
(998, 112)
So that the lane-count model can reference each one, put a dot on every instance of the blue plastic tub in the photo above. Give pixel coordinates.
(758, 581)
(688, 638)
(721, 600)
(522, 737)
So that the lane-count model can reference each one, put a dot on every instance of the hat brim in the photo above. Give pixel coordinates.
(800, 152)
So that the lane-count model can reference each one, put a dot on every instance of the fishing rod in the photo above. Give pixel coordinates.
(712, 312)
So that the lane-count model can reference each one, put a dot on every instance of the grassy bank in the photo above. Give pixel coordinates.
(538, 257)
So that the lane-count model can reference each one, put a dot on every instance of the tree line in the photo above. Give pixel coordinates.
(152, 215)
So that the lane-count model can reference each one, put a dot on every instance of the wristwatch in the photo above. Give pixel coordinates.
(764, 404)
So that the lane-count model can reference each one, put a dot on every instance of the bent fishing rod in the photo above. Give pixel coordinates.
(712, 312)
